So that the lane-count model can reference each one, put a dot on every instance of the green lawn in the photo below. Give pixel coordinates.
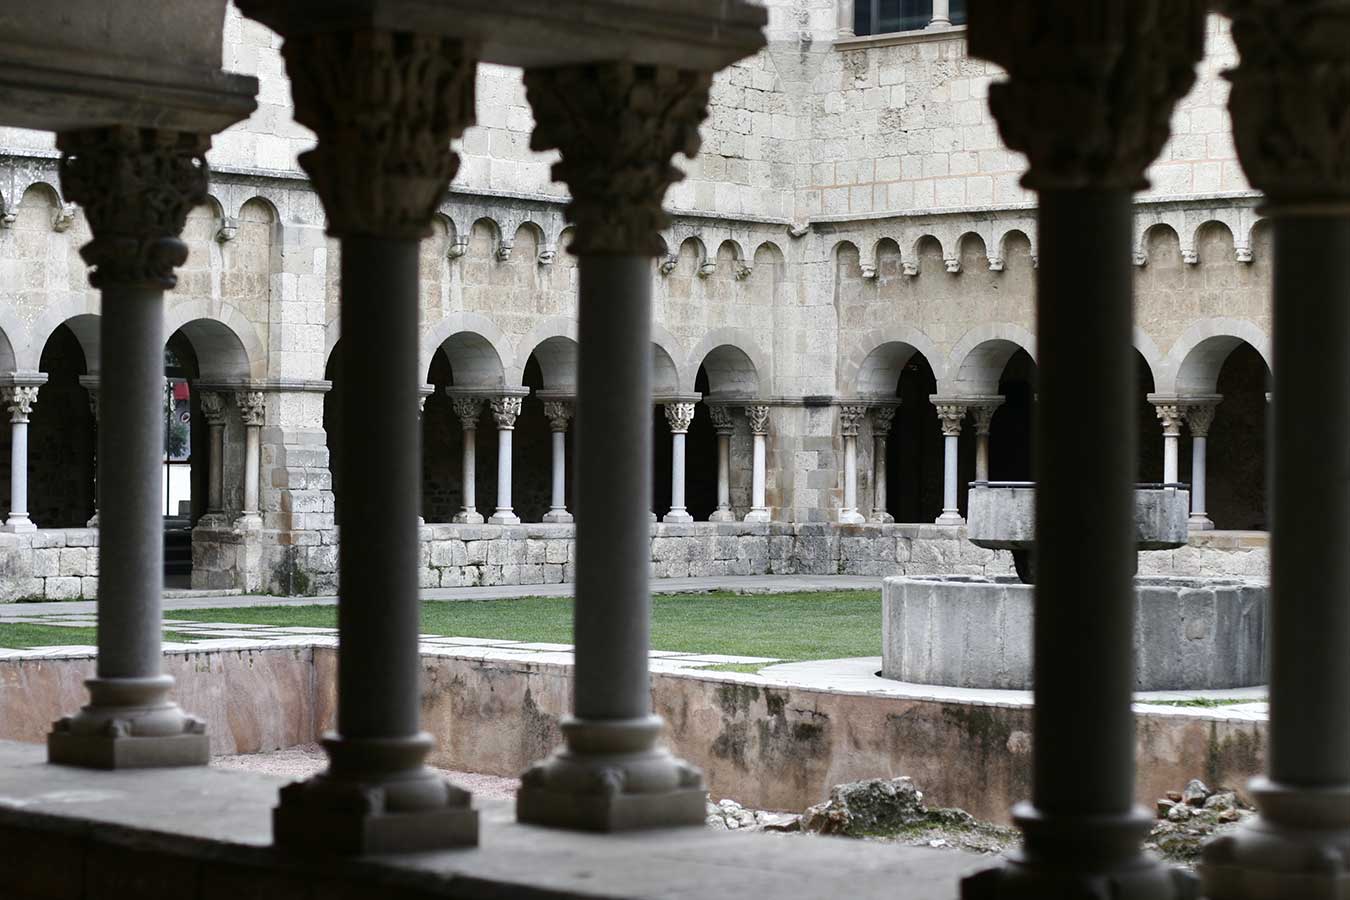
(21, 635)
(827, 625)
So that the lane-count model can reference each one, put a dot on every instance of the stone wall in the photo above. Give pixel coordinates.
(49, 564)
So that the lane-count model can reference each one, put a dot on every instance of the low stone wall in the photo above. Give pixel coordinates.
(49, 564)
(767, 745)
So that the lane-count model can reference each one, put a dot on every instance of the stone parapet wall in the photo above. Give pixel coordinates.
(49, 564)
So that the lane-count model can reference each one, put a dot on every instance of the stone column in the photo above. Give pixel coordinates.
(845, 20)
(136, 187)
(385, 107)
(942, 16)
(469, 409)
(618, 126)
(850, 417)
(679, 416)
(882, 419)
(505, 409)
(252, 409)
(1290, 122)
(983, 414)
(1171, 415)
(950, 415)
(1199, 416)
(559, 414)
(213, 410)
(759, 431)
(723, 425)
(19, 399)
(1090, 91)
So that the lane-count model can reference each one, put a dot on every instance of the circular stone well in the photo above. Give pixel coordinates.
(961, 631)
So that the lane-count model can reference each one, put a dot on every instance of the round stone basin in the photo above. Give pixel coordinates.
(1002, 516)
(961, 631)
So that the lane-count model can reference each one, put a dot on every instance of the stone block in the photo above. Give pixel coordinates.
(73, 561)
(21, 588)
(46, 539)
(557, 551)
(531, 573)
(89, 587)
(46, 563)
(476, 552)
(427, 577)
(63, 588)
(536, 552)
(553, 573)
(82, 537)
(510, 574)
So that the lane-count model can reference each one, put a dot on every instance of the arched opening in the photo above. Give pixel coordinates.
(464, 360)
(62, 432)
(726, 375)
(1010, 429)
(665, 386)
(1149, 449)
(551, 374)
(914, 450)
(332, 424)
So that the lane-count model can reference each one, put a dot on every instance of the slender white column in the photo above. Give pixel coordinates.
(950, 415)
(678, 416)
(1199, 416)
(850, 417)
(19, 399)
(883, 417)
(845, 21)
(136, 187)
(1171, 415)
(1291, 81)
(942, 17)
(468, 409)
(983, 414)
(559, 414)
(213, 410)
(505, 409)
(759, 431)
(612, 775)
(251, 412)
(724, 426)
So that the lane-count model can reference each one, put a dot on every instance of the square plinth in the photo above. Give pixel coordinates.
(314, 829)
(101, 751)
(611, 812)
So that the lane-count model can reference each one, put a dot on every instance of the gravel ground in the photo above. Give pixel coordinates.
(308, 759)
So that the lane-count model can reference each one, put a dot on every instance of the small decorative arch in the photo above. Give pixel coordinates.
(85, 327)
(999, 262)
(227, 347)
(733, 360)
(474, 361)
(1213, 242)
(977, 361)
(867, 367)
(436, 336)
(1198, 355)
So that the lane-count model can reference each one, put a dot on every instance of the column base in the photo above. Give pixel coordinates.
(215, 521)
(851, 517)
(722, 515)
(881, 517)
(1299, 846)
(1081, 857)
(678, 517)
(1201, 522)
(504, 517)
(376, 797)
(757, 515)
(611, 776)
(249, 521)
(129, 724)
(949, 517)
(18, 524)
(465, 517)
(558, 517)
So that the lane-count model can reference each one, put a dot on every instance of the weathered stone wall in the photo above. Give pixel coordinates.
(49, 564)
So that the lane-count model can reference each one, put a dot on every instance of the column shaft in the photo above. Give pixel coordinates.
(469, 476)
(1171, 467)
(18, 476)
(981, 456)
(504, 473)
(559, 501)
(879, 501)
(942, 16)
(215, 486)
(951, 513)
(723, 472)
(378, 693)
(1198, 447)
(252, 461)
(851, 474)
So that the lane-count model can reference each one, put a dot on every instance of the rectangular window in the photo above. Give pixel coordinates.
(891, 16)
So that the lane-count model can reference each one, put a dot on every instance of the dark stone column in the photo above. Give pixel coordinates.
(1089, 93)
(136, 187)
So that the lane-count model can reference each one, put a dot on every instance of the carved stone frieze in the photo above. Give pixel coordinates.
(385, 106)
(252, 407)
(136, 186)
(721, 419)
(759, 419)
(1091, 86)
(19, 400)
(559, 413)
(1291, 115)
(679, 416)
(617, 126)
(504, 411)
(850, 417)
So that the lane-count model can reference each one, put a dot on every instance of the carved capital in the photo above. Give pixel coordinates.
(19, 400)
(213, 407)
(721, 419)
(850, 417)
(1291, 118)
(385, 106)
(93, 402)
(136, 186)
(468, 409)
(679, 416)
(950, 416)
(505, 410)
(559, 413)
(251, 406)
(759, 419)
(983, 414)
(1200, 416)
(1171, 415)
(883, 417)
(1091, 86)
(617, 126)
